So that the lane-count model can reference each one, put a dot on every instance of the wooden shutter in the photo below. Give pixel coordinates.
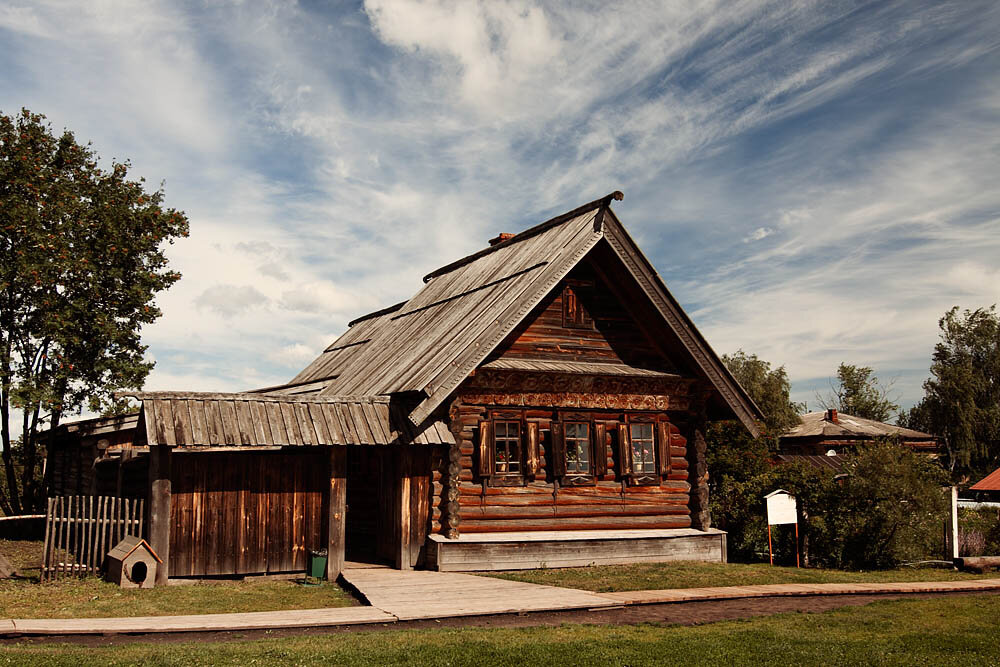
(485, 449)
(663, 447)
(600, 450)
(558, 450)
(624, 455)
(531, 455)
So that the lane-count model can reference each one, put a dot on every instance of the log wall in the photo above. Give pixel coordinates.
(612, 502)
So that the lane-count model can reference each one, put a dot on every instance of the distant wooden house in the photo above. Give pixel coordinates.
(540, 402)
(823, 439)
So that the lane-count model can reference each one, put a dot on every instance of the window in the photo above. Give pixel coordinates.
(507, 448)
(643, 445)
(577, 435)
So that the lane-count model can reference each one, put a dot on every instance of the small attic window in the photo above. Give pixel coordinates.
(575, 316)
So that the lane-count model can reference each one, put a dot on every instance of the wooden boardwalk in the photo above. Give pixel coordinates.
(785, 590)
(258, 620)
(417, 594)
(411, 595)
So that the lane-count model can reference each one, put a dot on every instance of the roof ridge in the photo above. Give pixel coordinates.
(617, 195)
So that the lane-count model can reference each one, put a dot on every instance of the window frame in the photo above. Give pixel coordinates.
(661, 436)
(597, 452)
(527, 448)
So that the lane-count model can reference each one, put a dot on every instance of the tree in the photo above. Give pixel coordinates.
(81, 260)
(859, 392)
(961, 402)
(769, 388)
(740, 464)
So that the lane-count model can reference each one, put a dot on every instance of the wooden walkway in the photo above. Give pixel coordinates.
(258, 620)
(785, 590)
(401, 596)
(416, 594)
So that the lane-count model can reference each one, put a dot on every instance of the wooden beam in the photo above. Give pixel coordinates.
(159, 509)
(401, 520)
(337, 519)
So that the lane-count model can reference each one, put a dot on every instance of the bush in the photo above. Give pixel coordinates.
(888, 507)
(979, 532)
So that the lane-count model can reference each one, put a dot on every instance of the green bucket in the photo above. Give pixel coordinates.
(317, 563)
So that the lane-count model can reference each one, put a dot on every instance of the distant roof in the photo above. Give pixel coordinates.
(817, 424)
(428, 345)
(819, 461)
(193, 419)
(989, 483)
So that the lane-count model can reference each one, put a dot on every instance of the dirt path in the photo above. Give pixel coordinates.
(687, 613)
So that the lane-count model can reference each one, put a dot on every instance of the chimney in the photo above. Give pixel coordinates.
(500, 238)
(831, 416)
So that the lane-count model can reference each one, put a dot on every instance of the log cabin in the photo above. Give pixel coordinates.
(539, 403)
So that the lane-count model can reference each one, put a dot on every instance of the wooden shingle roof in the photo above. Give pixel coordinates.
(194, 419)
(431, 343)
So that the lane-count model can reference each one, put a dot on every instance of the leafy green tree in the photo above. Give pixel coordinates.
(769, 388)
(860, 393)
(961, 402)
(81, 259)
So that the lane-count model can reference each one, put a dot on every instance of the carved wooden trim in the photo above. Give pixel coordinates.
(639, 267)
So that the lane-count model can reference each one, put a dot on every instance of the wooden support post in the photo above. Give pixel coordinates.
(402, 513)
(159, 509)
(337, 519)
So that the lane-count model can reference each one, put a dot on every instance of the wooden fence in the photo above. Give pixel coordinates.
(81, 530)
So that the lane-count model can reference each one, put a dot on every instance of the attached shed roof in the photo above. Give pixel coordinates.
(989, 483)
(817, 424)
(194, 419)
(427, 346)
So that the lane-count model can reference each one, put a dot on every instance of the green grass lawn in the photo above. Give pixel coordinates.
(91, 597)
(652, 576)
(942, 631)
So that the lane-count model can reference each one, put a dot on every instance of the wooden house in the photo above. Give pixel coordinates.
(541, 402)
(823, 439)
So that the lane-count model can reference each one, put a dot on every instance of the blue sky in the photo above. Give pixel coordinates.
(816, 182)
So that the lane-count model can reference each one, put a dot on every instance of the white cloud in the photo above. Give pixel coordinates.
(758, 234)
(230, 300)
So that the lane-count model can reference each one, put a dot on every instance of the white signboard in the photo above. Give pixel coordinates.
(780, 508)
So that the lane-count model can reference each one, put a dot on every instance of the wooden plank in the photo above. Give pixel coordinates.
(245, 423)
(46, 542)
(230, 428)
(301, 413)
(291, 424)
(182, 422)
(262, 423)
(159, 517)
(401, 520)
(279, 435)
(199, 434)
(337, 515)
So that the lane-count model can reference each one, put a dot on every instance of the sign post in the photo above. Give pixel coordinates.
(781, 509)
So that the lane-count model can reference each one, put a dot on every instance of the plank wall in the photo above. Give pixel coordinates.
(246, 512)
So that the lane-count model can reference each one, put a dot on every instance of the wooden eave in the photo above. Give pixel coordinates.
(196, 419)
